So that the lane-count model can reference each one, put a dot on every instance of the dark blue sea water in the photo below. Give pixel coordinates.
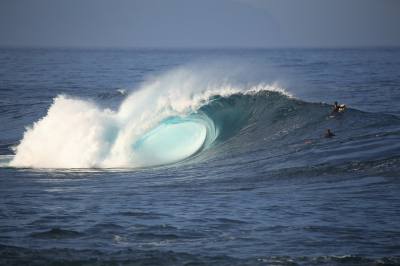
(199, 157)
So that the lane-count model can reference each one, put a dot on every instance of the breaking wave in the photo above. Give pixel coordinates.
(168, 119)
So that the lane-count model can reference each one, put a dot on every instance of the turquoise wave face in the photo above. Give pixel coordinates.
(178, 138)
(174, 139)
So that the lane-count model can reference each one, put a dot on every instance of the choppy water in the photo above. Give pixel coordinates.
(180, 157)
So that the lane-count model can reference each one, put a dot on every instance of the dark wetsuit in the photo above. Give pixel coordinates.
(329, 134)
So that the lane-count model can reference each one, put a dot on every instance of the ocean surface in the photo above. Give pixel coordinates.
(199, 157)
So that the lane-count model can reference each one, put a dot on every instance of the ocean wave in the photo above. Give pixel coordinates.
(165, 121)
(181, 117)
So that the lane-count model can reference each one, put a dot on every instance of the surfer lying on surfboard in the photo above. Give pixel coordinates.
(338, 108)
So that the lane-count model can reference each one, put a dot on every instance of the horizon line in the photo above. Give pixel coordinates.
(305, 47)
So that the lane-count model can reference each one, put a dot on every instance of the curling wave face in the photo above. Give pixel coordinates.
(173, 140)
(167, 120)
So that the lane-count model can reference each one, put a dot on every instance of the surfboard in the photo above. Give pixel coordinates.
(342, 108)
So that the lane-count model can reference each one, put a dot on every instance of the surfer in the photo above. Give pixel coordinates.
(329, 134)
(338, 108)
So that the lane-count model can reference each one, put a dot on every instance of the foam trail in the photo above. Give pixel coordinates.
(157, 124)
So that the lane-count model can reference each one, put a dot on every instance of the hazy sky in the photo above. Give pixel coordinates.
(199, 23)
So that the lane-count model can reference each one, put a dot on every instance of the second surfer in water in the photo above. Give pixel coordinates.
(329, 133)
